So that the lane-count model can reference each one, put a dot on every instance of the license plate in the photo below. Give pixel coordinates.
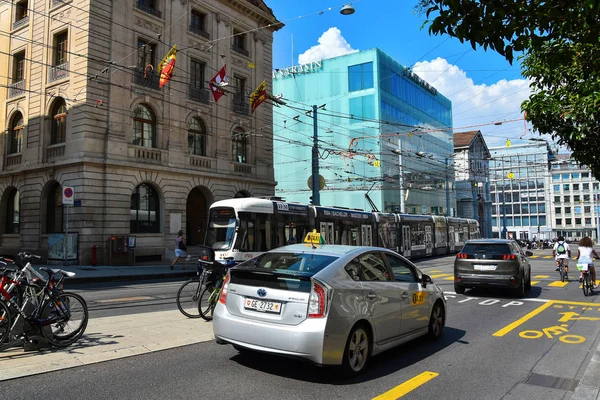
(263, 306)
(485, 267)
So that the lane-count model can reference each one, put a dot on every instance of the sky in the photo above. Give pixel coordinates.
(483, 87)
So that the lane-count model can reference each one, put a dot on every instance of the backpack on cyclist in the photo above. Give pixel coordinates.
(561, 248)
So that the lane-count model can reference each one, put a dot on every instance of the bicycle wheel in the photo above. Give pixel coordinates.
(562, 273)
(208, 301)
(64, 319)
(5, 322)
(585, 284)
(188, 296)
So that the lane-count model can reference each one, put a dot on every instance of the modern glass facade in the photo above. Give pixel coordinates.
(381, 130)
(520, 191)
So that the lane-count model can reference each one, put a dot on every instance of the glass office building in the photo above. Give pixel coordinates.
(381, 130)
(520, 191)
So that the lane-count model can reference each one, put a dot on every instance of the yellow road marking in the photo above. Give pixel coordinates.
(548, 257)
(436, 270)
(541, 276)
(575, 303)
(523, 319)
(558, 284)
(407, 386)
(534, 282)
(533, 256)
(124, 299)
(439, 275)
(450, 278)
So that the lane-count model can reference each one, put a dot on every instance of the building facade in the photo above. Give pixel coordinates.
(471, 166)
(575, 209)
(521, 191)
(82, 107)
(381, 131)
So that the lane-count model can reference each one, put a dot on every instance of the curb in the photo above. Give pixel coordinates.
(125, 278)
(589, 385)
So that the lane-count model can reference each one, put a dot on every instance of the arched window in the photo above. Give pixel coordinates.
(16, 134)
(239, 146)
(144, 126)
(58, 132)
(12, 212)
(197, 137)
(54, 210)
(145, 210)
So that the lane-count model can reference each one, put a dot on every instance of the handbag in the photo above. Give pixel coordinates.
(182, 245)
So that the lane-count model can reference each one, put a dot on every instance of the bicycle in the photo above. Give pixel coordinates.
(44, 309)
(189, 294)
(564, 274)
(586, 283)
(211, 293)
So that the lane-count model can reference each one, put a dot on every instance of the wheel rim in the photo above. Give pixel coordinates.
(358, 349)
(437, 320)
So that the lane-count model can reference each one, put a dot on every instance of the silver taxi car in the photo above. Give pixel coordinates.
(330, 304)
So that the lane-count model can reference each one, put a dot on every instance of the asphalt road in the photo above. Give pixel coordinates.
(494, 347)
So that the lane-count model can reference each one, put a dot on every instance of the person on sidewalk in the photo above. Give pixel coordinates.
(180, 250)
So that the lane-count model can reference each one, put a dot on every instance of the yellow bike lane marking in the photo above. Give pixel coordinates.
(568, 311)
(407, 386)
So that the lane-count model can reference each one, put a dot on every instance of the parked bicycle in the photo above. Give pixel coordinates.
(31, 306)
(212, 290)
(188, 294)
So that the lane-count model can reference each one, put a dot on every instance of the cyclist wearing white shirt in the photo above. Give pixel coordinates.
(561, 253)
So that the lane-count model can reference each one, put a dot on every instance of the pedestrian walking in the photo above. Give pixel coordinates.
(180, 250)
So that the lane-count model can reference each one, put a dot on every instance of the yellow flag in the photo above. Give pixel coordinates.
(507, 142)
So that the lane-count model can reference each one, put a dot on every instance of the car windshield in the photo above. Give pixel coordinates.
(486, 248)
(300, 264)
(220, 234)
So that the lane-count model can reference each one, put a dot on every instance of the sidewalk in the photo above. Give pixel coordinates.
(110, 338)
(589, 385)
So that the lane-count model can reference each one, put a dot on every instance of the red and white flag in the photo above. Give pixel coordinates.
(215, 82)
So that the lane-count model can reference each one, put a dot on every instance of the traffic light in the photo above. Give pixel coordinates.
(311, 200)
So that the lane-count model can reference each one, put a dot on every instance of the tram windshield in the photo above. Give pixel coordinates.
(221, 229)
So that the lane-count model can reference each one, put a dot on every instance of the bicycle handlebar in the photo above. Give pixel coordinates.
(27, 255)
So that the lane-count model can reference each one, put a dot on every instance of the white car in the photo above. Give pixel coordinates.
(330, 304)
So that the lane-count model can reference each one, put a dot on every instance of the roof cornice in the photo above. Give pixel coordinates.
(264, 17)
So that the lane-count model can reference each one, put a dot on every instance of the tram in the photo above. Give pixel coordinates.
(243, 228)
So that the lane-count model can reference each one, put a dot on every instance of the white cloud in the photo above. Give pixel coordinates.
(475, 104)
(331, 44)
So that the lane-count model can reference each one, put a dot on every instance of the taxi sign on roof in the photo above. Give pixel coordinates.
(314, 237)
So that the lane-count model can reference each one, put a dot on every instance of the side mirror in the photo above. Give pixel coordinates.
(425, 279)
(528, 253)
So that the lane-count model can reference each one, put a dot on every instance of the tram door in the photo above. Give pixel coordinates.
(451, 238)
(367, 235)
(327, 232)
(406, 241)
(428, 240)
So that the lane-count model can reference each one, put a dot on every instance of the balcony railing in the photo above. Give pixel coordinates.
(23, 21)
(200, 162)
(58, 72)
(199, 31)
(242, 168)
(141, 5)
(55, 151)
(16, 89)
(13, 159)
(200, 94)
(148, 154)
(240, 50)
(239, 105)
(146, 79)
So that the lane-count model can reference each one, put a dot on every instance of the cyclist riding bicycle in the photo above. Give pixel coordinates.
(561, 253)
(584, 256)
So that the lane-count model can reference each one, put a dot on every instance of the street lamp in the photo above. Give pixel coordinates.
(347, 9)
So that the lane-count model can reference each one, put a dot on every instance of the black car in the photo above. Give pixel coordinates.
(492, 263)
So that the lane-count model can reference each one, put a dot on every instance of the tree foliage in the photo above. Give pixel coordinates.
(560, 43)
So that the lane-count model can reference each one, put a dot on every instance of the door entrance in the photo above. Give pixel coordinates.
(196, 217)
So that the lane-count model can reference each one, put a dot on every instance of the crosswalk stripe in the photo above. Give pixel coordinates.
(558, 284)
(535, 282)
(407, 386)
(450, 278)
(438, 275)
(547, 256)
(541, 276)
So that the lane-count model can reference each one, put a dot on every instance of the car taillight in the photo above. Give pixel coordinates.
(316, 301)
(461, 255)
(223, 297)
(508, 257)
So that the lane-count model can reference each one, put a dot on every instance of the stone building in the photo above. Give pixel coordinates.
(82, 108)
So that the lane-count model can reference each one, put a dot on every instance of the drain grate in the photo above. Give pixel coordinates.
(553, 382)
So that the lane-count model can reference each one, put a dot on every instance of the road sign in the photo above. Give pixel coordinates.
(68, 196)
